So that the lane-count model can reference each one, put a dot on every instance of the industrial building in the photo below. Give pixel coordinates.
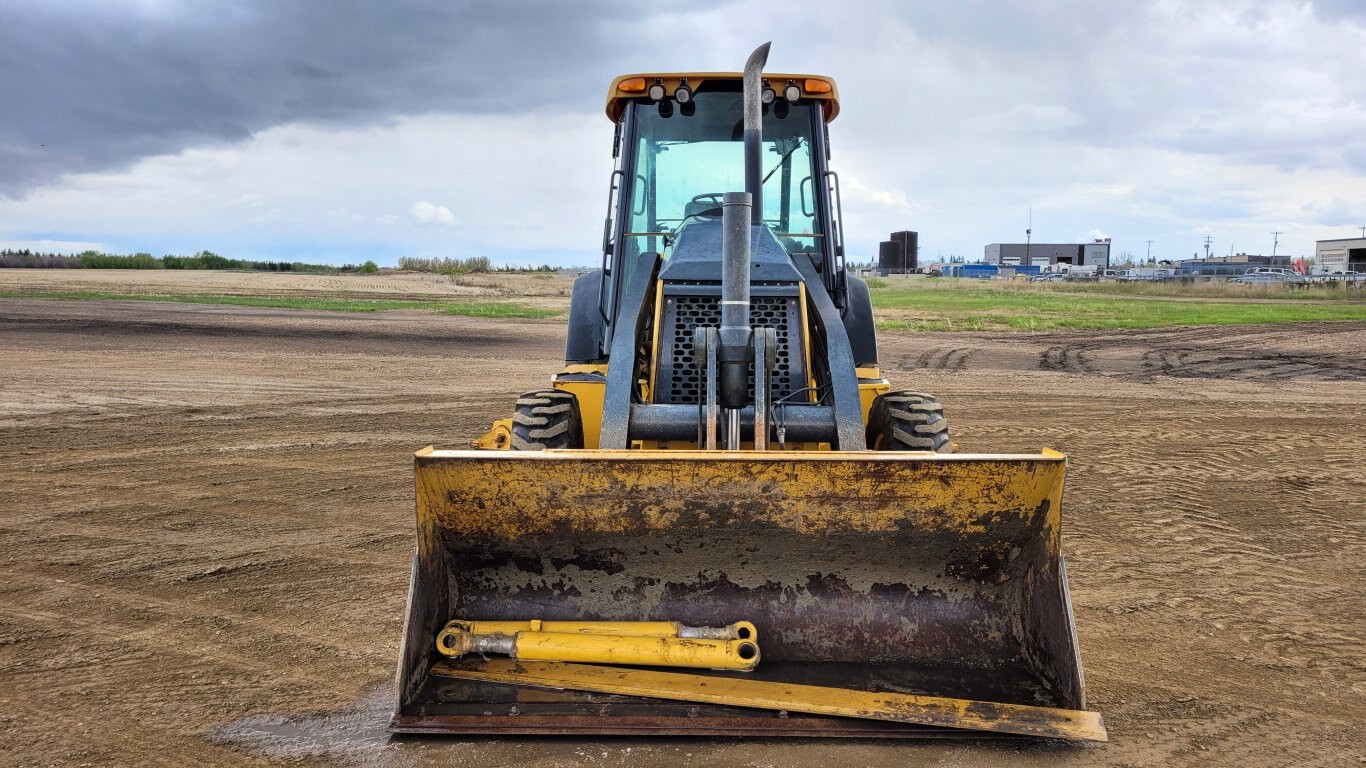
(1231, 266)
(1345, 255)
(1043, 254)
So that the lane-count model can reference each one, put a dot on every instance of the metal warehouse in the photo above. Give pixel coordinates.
(1231, 266)
(1346, 255)
(1043, 254)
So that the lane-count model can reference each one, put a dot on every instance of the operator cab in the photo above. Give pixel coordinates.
(680, 146)
(685, 161)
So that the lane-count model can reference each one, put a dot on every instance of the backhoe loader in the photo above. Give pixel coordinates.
(722, 447)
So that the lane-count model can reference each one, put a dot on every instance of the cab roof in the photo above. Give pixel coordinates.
(617, 96)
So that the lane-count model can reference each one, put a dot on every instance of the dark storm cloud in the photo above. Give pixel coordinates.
(97, 84)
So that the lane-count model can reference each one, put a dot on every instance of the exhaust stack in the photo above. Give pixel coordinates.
(739, 212)
(754, 137)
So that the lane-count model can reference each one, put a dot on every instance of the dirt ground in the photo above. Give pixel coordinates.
(206, 520)
(536, 288)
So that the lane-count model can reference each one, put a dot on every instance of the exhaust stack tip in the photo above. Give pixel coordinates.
(759, 58)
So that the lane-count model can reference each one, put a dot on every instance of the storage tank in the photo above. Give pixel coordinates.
(910, 248)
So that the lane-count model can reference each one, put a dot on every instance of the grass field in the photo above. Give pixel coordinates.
(464, 308)
(967, 305)
(914, 304)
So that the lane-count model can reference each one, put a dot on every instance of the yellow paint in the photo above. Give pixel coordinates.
(868, 392)
(600, 368)
(806, 343)
(637, 650)
(616, 96)
(536, 644)
(654, 342)
(509, 494)
(740, 630)
(498, 438)
(590, 395)
(1045, 722)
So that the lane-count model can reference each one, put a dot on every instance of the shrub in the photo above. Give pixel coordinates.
(446, 265)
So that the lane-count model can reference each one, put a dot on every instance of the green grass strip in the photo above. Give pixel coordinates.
(495, 309)
(973, 308)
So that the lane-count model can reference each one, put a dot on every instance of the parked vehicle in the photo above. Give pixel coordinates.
(1286, 275)
(1260, 278)
(1144, 273)
(1340, 276)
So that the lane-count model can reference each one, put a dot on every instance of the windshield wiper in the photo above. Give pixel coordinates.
(782, 160)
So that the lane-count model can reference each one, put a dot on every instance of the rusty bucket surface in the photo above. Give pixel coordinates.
(935, 574)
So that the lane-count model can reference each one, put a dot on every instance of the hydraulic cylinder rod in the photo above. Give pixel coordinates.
(595, 647)
(740, 630)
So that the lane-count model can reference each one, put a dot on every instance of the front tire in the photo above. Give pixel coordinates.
(546, 419)
(908, 421)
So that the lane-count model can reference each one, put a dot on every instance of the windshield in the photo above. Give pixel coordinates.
(684, 162)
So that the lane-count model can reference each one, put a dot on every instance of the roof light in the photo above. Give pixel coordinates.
(813, 85)
(632, 85)
(683, 94)
(656, 90)
(768, 95)
(792, 92)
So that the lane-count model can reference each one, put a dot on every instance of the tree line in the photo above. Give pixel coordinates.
(26, 258)
(446, 265)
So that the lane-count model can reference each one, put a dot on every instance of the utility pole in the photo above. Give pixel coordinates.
(1274, 244)
(1029, 233)
(1363, 231)
(1150, 253)
(1207, 242)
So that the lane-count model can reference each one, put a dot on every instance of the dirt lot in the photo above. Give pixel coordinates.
(549, 290)
(205, 514)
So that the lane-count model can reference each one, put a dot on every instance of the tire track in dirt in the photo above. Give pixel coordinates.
(952, 359)
(236, 544)
(1068, 358)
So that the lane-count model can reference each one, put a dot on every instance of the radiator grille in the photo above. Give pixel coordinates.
(679, 379)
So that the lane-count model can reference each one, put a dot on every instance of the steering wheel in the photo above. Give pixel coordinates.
(714, 198)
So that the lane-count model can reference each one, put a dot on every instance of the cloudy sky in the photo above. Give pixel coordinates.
(340, 130)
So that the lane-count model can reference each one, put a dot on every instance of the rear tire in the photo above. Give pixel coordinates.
(547, 418)
(908, 421)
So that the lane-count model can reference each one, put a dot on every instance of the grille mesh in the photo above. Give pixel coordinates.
(680, 379)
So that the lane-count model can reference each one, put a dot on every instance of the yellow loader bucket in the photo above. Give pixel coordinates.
(910, 573)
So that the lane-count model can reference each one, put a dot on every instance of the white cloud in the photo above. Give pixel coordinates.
(51, 246)
(427, 213)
